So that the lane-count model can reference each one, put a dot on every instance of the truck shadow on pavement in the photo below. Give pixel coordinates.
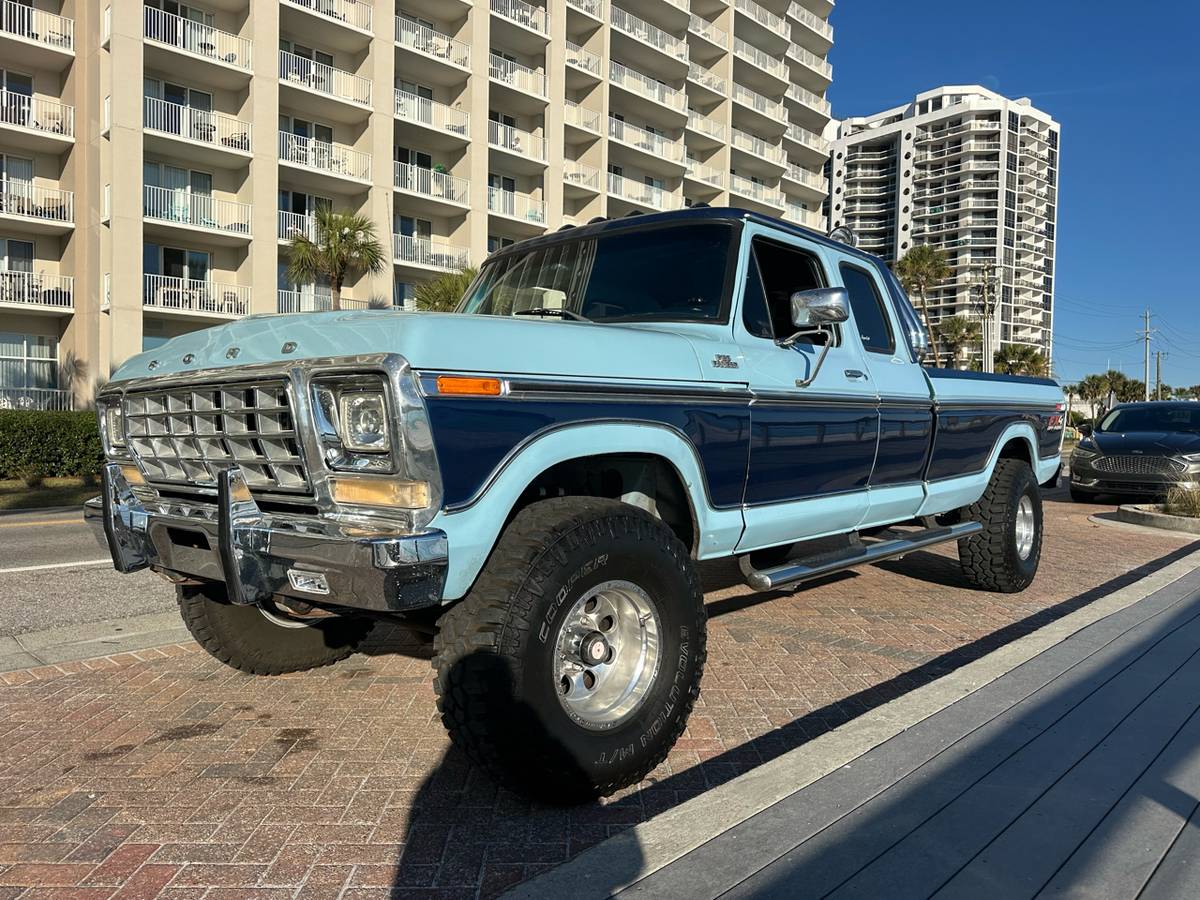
(466, 830)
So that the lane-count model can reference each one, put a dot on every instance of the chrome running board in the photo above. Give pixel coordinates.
(857, 555)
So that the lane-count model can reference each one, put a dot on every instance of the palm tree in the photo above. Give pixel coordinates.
(959, 333)
(1091, 390)
(345, 244)
(1020, 359)
(443, 293)
(921, 269)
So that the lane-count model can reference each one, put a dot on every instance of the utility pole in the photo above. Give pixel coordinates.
(1146, 332)
(987, 296)
(1158, 356)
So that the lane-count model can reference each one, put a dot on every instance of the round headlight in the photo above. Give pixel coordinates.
(363, 421)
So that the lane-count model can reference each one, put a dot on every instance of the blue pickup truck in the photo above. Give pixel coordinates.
(532, 478)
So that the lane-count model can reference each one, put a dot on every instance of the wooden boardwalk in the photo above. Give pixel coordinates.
(1076, 774)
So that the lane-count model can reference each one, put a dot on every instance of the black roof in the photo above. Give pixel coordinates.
(695, 213)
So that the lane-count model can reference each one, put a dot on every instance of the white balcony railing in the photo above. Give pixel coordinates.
(35, 398)
(772, 109)
(37, 289)
(637, 192)
(707, 174)
(973, 125)
(433, 44)
(431, 183)
(808, 179)
(23, 21)
(593, 8)
(37, 114)
(708, 31)
(704, 125)
(646, 86)
(193, 124)
(583, 59)
(514, 140)
(324, 79)
(522, 13)
(182, 207)
(706, 77)
(756, 146)
(575, 172)
(809, 59)
(755, 191)
(31, 201)
(802, 135)
(433, 254)
(810, 19)
(196, 38)
(581, 116)
(808, 98)
(641, 30)
(516, 75)
(194, 295)
(516, 206)
(762, 16)
(292, 224)
(642, 139)
(751, 54)
(314, 299)
(411, 108)
(355, 13)
(322, 156)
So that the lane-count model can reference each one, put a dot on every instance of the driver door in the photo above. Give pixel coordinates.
(813, 431)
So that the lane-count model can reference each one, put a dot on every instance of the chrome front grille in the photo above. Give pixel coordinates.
(1137, 465)
(185, 436)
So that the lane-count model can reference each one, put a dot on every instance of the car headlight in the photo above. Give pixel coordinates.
(1083, 454)
(363, 421)
(114, 424)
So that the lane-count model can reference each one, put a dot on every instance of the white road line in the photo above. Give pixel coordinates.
(70, 565)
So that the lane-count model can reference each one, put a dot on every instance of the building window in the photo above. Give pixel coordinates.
(403, 293)
(496, 242)
(28, 361)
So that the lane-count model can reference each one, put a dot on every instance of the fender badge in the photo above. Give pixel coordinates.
(724, 361)
(153, 364)
(288, 347)
(232, 353)
(189, 358)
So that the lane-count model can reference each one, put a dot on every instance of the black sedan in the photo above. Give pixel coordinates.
(1140, 449)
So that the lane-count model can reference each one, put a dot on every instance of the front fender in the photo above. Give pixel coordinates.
(472, 531)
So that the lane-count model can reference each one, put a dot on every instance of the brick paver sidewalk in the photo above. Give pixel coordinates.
(172, 776)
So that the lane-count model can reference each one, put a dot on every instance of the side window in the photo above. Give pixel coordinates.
(870, 317)
(775, 272)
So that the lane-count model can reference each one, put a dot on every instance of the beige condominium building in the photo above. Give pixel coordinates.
(973, 173)
(156, 157)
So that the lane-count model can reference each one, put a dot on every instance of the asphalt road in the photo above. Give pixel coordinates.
(53, 573)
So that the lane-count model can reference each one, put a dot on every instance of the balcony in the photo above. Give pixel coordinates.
(331, 163)
(188, 296)
(706, 127)
(766, 28)
(587, 120)
(429, 44)
(442, 188)
(528, 148)
(592, 8)
(314, 298)
(810, 144)
(516, 76)
(355, 17)
(36, 398)
(428, 254)
(446, 126)
(339, 95)
(659, 148)
(584, 179)
(36, 208)
(36, 123)
(195, 51)
(584, 61)
(767, 114)
(706, 175)
(760, 68)
(709, 80)
(518, 207)
(639, 194)
(37, 292)
(702, 28)
(645, 87)
(964, 147)
(296, 224)
(811, 108)
(35, 38)
(803, 177)
(964, 128)
(759, 149)
(817, 69)
(519, 26)
(753, 190)
(817, 32)
(179, 210)
(209, 137)
(645, 44)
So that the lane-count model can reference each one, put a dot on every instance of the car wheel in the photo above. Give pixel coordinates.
(1004, 556)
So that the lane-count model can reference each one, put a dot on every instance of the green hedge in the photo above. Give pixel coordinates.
(49, 444)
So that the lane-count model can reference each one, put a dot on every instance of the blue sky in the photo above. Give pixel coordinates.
(1123, 80)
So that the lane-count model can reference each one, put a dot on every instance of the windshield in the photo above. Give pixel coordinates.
(1153, 418)
(674, 274)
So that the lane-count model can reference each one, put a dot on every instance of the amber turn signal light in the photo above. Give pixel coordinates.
(387, 492)
(466, 385)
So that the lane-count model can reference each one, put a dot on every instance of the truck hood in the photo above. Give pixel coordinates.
(485, 344)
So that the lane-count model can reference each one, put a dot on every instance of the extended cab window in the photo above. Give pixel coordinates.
(870, 317)
(670, 274)
(774, 273)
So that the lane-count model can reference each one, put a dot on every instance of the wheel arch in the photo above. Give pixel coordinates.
(1017, 441)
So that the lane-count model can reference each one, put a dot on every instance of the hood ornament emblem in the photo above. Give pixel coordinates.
(232, 353)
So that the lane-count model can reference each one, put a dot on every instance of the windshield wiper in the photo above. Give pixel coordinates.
(551, 311)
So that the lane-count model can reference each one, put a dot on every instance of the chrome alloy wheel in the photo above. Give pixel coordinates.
(1024, 527)
(607, 655)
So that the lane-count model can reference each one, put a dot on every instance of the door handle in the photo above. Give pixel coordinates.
(855, 373)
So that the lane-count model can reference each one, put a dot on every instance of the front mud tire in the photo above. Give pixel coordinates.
(498, 651)
(245, 639)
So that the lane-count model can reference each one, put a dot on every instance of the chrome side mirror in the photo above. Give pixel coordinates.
(817, 310)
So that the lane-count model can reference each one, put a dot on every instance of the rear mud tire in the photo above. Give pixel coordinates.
(992, 560)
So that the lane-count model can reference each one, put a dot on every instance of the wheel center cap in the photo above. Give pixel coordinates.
(593, 649)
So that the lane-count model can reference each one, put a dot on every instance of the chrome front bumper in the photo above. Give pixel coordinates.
(259, 555)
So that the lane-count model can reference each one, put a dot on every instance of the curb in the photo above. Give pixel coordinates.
(1152, 518)
(43, 510)
(107, 639)
(670, 835)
